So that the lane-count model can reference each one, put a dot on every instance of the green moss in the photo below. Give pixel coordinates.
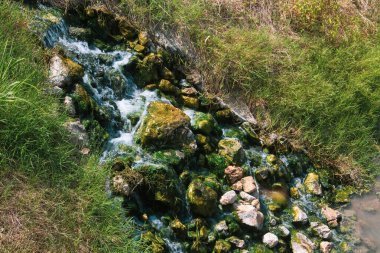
(222, 246)
(168, 157)
(156, 243)
(202, 198)
(342, 195)
(148, 70)
(217, 163)
(98, 136)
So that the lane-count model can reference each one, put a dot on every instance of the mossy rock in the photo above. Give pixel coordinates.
(165, 126)
(76, 71)
(190, 102)
(179, 229)
(312, 185)
(232, 150)
(125, 181)
(224, 116)
(260, 248)
(168, 157)
(205, 123)
(98, 136)
(217, 163)
(252, 135)
(236, 133)
(161, 184)
(148, 70)
(342, 195)
(84, 104)
(264, 175)
(278, 201)
(156, 243)
(167, 87)
(202, 197)
(222, 246)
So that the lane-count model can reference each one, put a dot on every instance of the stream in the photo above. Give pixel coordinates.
(186, 197)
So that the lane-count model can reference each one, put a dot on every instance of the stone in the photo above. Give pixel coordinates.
(202, 198)
(148, 70)
(238, 186)
(165, 126)
(236, 241)
(120, 186)
(190, 102)
(189, 91)
(234, 173)
(262, 174)
(228, 198)
(299, 216)
(322, 230)
(69, 106)
(78, 133)
(332, 216)
(139, 48)
(249, 185)
(246, 197)
(167, 87)
(222, 246)
(312, 185)
(301, 244)
(221, 228)
(326, 247)
(143, 38)
(204, 123)
(256, 203)
(249, 216)
(284, 231)
(270, 240)
(63, 72)
(178, 228)
(232, 150)
(279, 201)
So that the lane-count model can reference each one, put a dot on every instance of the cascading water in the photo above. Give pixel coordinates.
(109, 82)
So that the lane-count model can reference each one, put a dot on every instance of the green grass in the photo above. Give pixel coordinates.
(53, 200)
(312, 66)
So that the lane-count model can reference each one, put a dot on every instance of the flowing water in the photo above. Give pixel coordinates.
(105, 72)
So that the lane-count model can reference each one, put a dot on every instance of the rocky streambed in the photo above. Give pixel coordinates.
(195, 176)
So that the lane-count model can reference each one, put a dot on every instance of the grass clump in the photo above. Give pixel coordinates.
(51, 200)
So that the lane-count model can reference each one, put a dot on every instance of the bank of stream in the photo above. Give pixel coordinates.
(195, 176)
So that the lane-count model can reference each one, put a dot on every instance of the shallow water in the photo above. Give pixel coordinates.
(366, 210)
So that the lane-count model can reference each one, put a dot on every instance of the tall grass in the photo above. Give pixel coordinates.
(52, 199)
(311, 65)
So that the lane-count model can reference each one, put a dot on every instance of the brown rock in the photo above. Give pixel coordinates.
(249, 185)
(234, 173)
(332, 216)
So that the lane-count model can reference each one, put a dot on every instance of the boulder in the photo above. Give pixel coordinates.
(232, 150)
(301, 244)
(270, 240)
(299, 216)
(246, 197)
(332, 216)
(221, 228)
(63, 72)
(233, 173)
(249, 185)
(228, 198)
(321, 230)
(205, 124)
(250, 216)
(165, 126)
(326, 247)
(312, 184)
(203, 198)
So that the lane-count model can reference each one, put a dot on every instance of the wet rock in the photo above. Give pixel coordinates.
(190, 102)
(148, 70)
(178, 228)
(228, 198)
(232, 150)
(224, 115)
(326, 247)
(249, 216)
(323, 231)
(246, 197)
(238, 186)
(143, 38)
(204, 123)
(312, 184)
(263, 174)
(221, 228)
(301, 244)
(78, 133)
(253, 136)
(299, 216)
(332, 216)
(156, 243)
(84, 103)
(249, 185)
(63, 72)
(222, 246)
(278, 201)
(284, 231)
(270, 240)
(236, 241)
(167, 87)
(165, 126)
(234, 173)
(202, 198)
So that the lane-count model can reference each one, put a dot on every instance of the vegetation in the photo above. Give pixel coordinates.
(307, 68)
(52, 199)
